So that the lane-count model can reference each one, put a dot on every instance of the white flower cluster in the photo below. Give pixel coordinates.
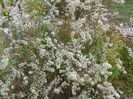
(105, 72)
(130, 52)
(5, 59)
(43, 65)
(125, 31)
(108, 91)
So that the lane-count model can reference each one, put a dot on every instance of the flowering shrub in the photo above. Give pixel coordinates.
(59, 49)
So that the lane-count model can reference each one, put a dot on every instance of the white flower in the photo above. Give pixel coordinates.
(33, 90)
(118, 66)
(109, 97)
(107, 65)
(72, 75)
(57, 90)
(130, 52)
(110, 45)
(124, 72)
(4, 62)
(42, 52)
(24, 42)
(117, 95)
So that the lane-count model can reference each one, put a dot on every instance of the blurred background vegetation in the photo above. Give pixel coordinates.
(125, 10)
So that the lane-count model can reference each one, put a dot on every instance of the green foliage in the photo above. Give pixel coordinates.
(24, 54)
(124, 9)
(34, 6)
(115, 73)
(128, 64)
(3, 43)
(7, 70)
(97, 50)
(10, 1)
(128, 60)
(1, 1)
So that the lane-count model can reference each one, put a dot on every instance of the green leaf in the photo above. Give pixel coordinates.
(115, 73)
(98, 49)
(10, 1)
(1, 1)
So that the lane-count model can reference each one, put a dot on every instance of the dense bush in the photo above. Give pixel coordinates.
(61, 49)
